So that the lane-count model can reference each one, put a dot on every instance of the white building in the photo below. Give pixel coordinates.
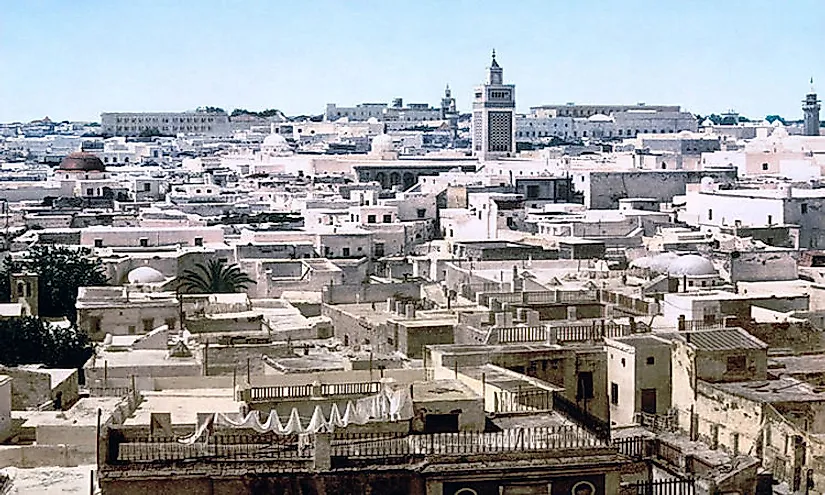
(197, 122)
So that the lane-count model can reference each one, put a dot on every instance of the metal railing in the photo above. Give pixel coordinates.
(280, 392)
(598, 426)
(239, 447)
(537, 439)
(675, 486)
(522, 401)
(265, 394)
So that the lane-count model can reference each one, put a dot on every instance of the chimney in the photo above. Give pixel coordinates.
(390, 304)
(399, 307)
(410, 310)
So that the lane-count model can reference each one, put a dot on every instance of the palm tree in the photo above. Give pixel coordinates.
(215, 276)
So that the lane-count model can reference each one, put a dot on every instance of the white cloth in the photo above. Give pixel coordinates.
(335, 419)
(387, 405)
(317, 422)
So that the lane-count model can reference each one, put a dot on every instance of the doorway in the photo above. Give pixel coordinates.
(649, 400)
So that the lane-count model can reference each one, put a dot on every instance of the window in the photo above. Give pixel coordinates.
(148, 324)
(614, 394)
(370, 218)
(199, 241)
(770, 219)
(533, 191)
(147, 187)
(132, 330)
(710, 214)
(170, 322)
(804, 208)
(98, 243)
(144, 242)
(94, 324)
(584, 388)
(736, 364)
(345, 252)
(387, 218)
(651, 360)
(421, 212)
(764, 166)
(90, 192)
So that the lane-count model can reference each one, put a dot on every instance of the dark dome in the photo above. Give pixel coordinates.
(82, 162)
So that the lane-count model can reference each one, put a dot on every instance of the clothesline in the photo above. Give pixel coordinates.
(387, 405)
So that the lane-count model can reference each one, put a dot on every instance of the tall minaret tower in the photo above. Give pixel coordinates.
(449, 112)
(494, 116)
(811, 107)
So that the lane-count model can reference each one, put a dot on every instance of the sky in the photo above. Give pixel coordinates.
(73, 59)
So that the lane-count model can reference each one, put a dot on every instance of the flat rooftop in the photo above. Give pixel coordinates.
(771, 391)
(140, 358)
(441, 391)
(184, 405)
(82, 413)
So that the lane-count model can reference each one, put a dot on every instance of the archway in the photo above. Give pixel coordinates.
(409, 180)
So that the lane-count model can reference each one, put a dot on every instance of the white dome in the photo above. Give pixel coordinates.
(707, 123)
(145, 275)
(643, 262)
(600, 117)
(777, 123)
(779, 132)
(661, 262)
(691, 264)
(275, 141)
(382, 143)
(372, 120)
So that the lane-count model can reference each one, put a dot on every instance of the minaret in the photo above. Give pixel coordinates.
(494, 116)
(449, 112)
(810, 108)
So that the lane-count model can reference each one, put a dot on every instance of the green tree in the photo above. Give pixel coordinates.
(213, 277)
(30, 340)
(61, 271)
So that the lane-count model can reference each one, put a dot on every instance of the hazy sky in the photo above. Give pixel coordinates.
(72, 59)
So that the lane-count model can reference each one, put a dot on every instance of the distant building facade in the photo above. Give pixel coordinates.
(396, 112)
(572, 122)
(171, 123)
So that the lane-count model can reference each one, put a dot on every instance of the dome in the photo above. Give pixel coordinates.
(372, 120)
(382, 143)
(82, 162)
(145, 275)
(660, 262)
(777, 123)
(599, 117)
(779, 132)
(643, 262)
(691, 264)
(275, 141)
(707, 123)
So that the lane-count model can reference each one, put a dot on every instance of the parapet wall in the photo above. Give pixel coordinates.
(366, 293)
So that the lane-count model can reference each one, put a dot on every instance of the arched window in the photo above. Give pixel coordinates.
(20, 289)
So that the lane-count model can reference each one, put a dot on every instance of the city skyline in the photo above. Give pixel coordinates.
(74, 61)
